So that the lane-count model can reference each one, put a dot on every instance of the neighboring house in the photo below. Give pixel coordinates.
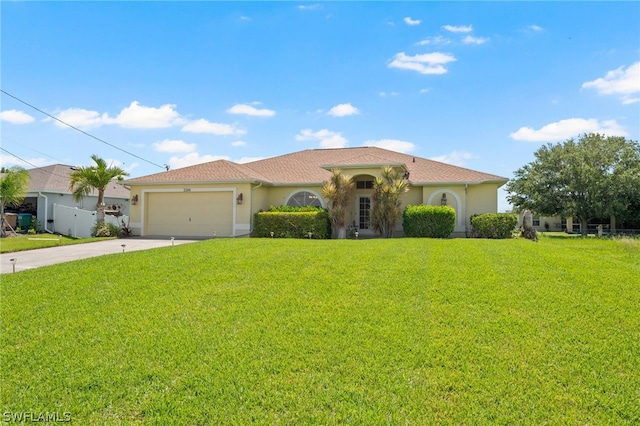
(220, 198)
(49, 185)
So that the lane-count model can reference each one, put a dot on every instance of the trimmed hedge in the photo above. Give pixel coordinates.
(493, 225)
(292, 222)
(428, 221)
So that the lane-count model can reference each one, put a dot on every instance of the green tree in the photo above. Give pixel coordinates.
(594, 177)
(13, 188)
(386, 206)
(85, 180)
(337, 191)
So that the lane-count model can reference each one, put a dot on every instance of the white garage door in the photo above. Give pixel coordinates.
(189, 214)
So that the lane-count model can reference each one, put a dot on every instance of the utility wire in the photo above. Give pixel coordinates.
(33, 165)
(81, 131)
(4, 138)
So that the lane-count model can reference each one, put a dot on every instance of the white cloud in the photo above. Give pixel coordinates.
(619, 82)
(458, 28)
(10, 160)
(309, 7)
(205, 126)
(411, 22)
(456, 158)
(434, 40)
(133, 116)
(251, 110)
(81, 118)
(391, 144)
(425, 90)
(565, 129)
(143, 117)
(15, 117)
(428, 63)
(327, 138)
(169, 145)
(343, 110)
(474, 40)
(238, 143)
(535, 28)
(192, 159)
(385, 94)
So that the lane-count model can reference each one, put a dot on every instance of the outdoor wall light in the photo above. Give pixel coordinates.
(239, 198)
(134, 199)
(443, 200)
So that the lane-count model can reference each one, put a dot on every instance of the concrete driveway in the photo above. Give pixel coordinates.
(48, 256)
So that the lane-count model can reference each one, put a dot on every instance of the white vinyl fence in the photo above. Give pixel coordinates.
(79, 223)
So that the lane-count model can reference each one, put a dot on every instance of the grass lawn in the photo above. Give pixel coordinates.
(31, 242)
(361, 332)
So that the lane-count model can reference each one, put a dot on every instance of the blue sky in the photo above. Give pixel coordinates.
(480, 84)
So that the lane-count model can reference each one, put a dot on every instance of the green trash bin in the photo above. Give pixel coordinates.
(24, 220)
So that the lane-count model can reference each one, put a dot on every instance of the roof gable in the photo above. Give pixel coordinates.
(215, 171)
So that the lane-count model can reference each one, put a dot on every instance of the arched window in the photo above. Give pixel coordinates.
(303, 199)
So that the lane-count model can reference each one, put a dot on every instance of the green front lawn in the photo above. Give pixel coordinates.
(36, 241)
(273, 331)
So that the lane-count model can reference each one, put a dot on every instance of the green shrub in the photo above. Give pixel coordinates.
(428, 221)
(292, 222)
(493, 225)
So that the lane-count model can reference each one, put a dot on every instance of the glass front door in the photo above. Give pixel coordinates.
(364, 212)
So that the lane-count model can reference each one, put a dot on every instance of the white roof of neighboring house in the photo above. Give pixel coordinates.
(313, 166)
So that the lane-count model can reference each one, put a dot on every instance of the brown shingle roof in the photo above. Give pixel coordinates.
(215, 171)
(312, 167)
(56, 178)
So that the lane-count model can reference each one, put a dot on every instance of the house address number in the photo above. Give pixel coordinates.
(187, 189)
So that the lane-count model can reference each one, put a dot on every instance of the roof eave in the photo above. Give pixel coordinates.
(194, 182)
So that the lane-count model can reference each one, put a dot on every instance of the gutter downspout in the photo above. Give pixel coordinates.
(46, 208)
(466, 228)
(251, 207)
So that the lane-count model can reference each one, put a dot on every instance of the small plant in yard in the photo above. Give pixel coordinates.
(106, 230)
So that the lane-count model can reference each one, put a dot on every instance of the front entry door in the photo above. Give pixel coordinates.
(364, 212)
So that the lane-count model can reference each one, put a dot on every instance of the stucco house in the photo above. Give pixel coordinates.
(49, 186)
(219, 198)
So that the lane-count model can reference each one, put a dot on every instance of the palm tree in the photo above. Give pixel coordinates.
(337, 191)
(385, 199)
(85, 180)
(13, 188)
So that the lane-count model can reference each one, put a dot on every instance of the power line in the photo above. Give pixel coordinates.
(21, 159)
(79, 130)
(31, 149)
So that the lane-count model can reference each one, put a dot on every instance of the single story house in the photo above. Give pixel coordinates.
(220, 198)
(50, 185)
